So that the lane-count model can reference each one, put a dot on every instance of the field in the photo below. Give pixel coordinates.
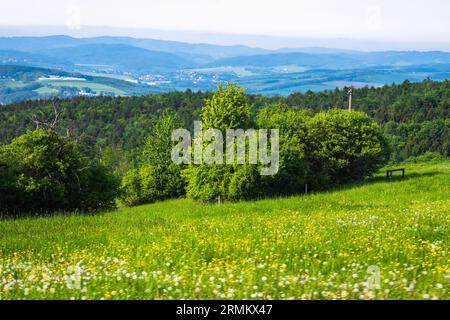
(98, 87)
(305, 247)
(46, 91)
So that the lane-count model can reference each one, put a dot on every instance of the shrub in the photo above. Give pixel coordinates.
(131, 188)
(206, 183)
(426, 157)
(227, 109)
(294, 167)
(157, 178)
(44, 172)
(321, 150)
(344, 146)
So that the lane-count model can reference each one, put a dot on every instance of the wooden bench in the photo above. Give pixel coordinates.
(390, 173)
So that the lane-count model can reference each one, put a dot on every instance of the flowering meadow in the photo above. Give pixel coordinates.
(320, 246)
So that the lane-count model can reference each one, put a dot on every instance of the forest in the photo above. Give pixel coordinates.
(414, 116)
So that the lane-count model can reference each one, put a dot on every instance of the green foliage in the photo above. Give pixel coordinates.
(157, 178)
(412, 139)
(158, 145)
(426, 157)
(344, 146)
(151, 183)
(414, 118)
(208, 182)
(294, 167)
(131, 188)
(44, 172)
(322, 150)
(227, 109)
(124, 122)
(245, 183)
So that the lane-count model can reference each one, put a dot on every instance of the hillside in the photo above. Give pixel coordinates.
(209, 51)
(19, 82)
(120, 57)
(306, 247)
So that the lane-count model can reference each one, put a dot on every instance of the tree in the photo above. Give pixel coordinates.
(45, 172)
(227, 109)
(344, 146)
(294, 166)
(157, 178)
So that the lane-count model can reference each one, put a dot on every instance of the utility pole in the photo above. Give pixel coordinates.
(350, 96)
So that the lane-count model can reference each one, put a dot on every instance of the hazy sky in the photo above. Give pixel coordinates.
(385, 20)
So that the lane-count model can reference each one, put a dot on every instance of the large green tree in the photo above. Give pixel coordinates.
(157, 177)
(344, 146)
(227, 109)
(42, 171)
(294, 166)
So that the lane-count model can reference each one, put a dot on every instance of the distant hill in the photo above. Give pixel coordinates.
(15, 57)
(329, 61)
(338, 60)
(202, 52)
(130, 54)
(25, 73)
(121, 57)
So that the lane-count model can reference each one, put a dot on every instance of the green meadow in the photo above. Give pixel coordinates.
(318, 246)
(98, 87)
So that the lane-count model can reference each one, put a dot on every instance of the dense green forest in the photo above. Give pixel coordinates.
(415, 116)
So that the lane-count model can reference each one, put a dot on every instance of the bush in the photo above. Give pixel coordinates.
(294, 167)
(157, 178)
(227, 109)
(44, 172)
(426, 157)
(321, 150)
(206, 183)
(344, 146)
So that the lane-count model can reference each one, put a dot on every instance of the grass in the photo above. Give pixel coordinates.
(11, 84)
(98, 87)
(106, 75)
(47, 91)
(305, 247)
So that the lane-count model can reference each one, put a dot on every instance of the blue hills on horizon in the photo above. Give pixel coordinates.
(176, 55)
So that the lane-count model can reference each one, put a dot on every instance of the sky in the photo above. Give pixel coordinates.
(401, 21)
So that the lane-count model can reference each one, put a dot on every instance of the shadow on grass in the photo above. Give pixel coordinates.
(407, 177)
(18, 216)
(331, 189)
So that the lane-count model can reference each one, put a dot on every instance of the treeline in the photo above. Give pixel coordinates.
(407, 102)
(414, 116)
